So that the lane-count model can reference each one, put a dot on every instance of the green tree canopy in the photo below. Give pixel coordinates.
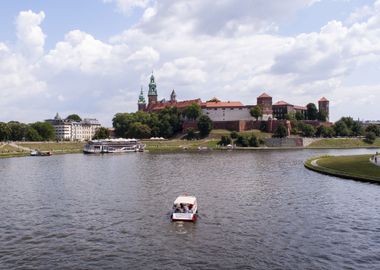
(74, 117)
(204, 125)
(139, 130)
(299, 116)
(322, 116)
(341, 129)
(280, 132)
(45, 130)
(5, 132)
(312, 111)
(101, 133)
(325, 132)
(373, 128)
(256, 112)
(193, 111)
(308, 130)
(370, 137)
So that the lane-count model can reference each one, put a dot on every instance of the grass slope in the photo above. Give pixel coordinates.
(352, 167)
(343, 143)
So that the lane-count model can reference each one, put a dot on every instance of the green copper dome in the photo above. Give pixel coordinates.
(141, 97)
(152, 87)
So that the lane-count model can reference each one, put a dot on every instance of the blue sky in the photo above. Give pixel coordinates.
(92, 56)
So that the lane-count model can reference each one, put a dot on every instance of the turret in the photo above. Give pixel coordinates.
(141, 103)
(324, 106)
(173, 96)
(152, 94)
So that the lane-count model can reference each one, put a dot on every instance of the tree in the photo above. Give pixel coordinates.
(139, 131)
(341, 129)
(299, 116)
(256, 112)
(373, 128)
(204, 125)
(322, 116)
(357, 129)
(45, 130)
(190, 134)
(325, 132)
(370, 137)
(242, 141)
(193, 111)
(101, 133)
(74, 117)
(290, 116)
(234, 134)
(308, 130)
(5, 132)
(224, 141)
(253, 141)
(312, 112)
(32, 135)
(280, 132)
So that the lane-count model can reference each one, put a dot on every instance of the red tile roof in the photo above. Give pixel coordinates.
(222, 104)
(323, 99)
(178, 104)
(282, 103)
(301, 108)
(264, 95)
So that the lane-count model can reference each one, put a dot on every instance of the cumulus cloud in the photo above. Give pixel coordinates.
(229, 51)
(31, 38)
(125, 6)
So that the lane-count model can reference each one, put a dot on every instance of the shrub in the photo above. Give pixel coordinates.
(234, 134)
(280, 132)
(224, 141)
(190, 134)
(370, 137)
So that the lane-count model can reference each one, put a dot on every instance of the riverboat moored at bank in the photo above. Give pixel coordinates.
(113, 146)
(185, 208)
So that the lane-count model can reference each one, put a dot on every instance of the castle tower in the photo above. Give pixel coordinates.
(141, 103)
(173, 97)
(152, 94)
(265, 102)
(324, 106)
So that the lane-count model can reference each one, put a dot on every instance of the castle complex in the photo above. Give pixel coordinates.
(232, 114)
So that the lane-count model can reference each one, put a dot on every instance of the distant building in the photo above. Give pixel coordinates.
(68, 130)
(282, 108)
(226, 110)
(232, 115)
(324, 106)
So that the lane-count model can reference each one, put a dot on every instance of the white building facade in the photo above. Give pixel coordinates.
(67, 130)
(226, 111)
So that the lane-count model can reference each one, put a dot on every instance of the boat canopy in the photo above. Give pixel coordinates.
(185, 200)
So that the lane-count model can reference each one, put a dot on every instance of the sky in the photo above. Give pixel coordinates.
(91, 57)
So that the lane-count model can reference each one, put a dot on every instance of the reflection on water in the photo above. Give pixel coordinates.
(258, 210)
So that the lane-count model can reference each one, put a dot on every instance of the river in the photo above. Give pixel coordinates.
(257, 210)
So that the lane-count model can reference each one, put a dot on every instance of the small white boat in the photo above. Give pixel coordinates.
(185, 208)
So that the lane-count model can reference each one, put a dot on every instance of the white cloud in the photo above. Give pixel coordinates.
(125, 6)
(229, 51)
(31, 39)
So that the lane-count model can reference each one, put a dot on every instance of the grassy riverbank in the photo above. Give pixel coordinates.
(351, 167)
(344, 143)
(18, 149)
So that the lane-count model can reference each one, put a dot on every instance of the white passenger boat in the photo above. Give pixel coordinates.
(185, 208)
(113, 146)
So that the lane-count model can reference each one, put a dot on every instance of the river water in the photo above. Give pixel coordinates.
(258, 210)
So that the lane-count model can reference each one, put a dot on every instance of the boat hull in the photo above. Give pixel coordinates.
(190, 217)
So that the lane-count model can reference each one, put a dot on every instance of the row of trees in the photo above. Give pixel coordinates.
(241, 140)
(165, 123)
(15, 131)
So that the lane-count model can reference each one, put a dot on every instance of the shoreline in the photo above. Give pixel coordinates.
(334, 167)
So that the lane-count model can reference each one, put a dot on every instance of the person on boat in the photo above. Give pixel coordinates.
(186, 208)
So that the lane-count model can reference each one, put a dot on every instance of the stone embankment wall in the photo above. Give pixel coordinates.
(289, 142)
